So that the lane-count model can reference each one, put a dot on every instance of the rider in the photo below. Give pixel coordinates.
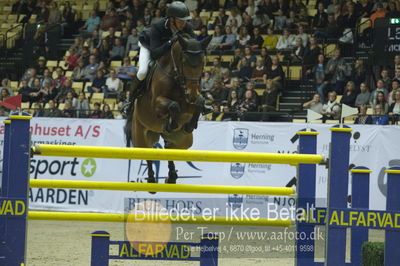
(159, 39)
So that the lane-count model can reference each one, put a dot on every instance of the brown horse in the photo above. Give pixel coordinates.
(172, 104)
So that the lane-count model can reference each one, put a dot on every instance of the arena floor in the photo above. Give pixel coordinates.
(68, 244)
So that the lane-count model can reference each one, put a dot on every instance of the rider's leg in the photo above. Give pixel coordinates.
(144, 60)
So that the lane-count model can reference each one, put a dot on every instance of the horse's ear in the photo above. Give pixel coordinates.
(205, 42)
(182, 42)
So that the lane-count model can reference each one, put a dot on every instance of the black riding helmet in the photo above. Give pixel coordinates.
(178, 10)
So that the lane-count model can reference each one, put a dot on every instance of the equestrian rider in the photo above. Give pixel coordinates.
(159, 39)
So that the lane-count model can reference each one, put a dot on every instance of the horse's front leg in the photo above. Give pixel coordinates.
(165, 106)
(172, 173)
(197, 108)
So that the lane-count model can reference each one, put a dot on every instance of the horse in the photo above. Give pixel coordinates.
(171, 104)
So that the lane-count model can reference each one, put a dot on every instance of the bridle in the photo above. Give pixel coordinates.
(179, 77)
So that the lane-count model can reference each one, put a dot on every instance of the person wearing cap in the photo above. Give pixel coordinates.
(159, 39)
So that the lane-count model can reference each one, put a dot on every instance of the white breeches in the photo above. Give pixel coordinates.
(144, 60)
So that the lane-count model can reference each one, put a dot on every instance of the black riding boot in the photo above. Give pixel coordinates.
(133, 94)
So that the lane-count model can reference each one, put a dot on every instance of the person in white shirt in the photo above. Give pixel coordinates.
(234, 15)
(285, 41)
(113, 85)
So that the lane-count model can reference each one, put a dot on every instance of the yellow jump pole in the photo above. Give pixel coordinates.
(210, 189)
(175, 154)
(146, 218)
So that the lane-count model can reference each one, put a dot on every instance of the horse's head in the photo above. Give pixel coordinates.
(190, 68)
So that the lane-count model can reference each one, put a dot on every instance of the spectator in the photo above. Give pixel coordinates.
(397, 74)
(292, 20)
(379, 13)
(38, 110)
(280, 20)
(256, 41)
(379, 88)
(381, 101)
(243, 39)
(314, 104)
(310, 56)
(237, 56)
(203, 33)
(234, 15)
(124, 37)
(338, 70)
(320, 19)
(251, 8)
(118, 51)
(206, 83)
(110, 19)
(6, 84)
(47, 92)
(270, 40)
(358, 74)
(68, 18)
(269, 97)
(246, 106)
(52, 110)
(72, 60)
(133, 41)
(98, 84)
(221, 19)
(249, 56)
(228, 40)
(275, 72)
(216, 39)
(106, 113)
(54, 14)
(394, 109)
(245, 70)
(196, 20)
(267, 59)
(61, 78)
(232, 106)
(110, 36)
(113, 85)
(77, 45)
(301, 34)
(62, 94)
(91, 24)
(363, 118)
(218, 93)
(332, 109)
(126, 72)
(79, 71)
(4, 94)
(330, 31)
(261, 20)
(259, 70)
(379, 117)
(96, 111)
(41, 66)
(364, 96)
(285, 41)
(68, 110)
(28, 94)
(81, 106)
(158, 16)
(387, 81)
(217, 70)
(395, 87)
(91, 69)
(304, 19)
(297, 52)
(349, 95)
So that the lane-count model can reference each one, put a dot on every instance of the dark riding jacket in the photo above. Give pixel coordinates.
(157, 36)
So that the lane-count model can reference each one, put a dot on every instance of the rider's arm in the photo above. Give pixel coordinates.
(158, 47)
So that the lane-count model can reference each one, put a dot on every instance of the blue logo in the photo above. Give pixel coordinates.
(240, 138)
(237, 170)
(235, 201)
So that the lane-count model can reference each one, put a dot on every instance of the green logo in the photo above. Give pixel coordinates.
(88, 167)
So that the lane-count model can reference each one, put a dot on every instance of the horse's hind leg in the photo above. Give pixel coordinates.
(150, 172)
(172, 173)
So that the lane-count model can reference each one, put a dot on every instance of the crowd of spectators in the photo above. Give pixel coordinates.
(258, 35)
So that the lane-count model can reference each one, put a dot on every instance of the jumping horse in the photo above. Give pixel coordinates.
(171, 104)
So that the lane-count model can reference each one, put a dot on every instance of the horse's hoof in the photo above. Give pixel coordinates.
(151, 180)
(172, 177)
(188, 128)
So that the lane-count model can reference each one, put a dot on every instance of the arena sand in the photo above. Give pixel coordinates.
(68, 244)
